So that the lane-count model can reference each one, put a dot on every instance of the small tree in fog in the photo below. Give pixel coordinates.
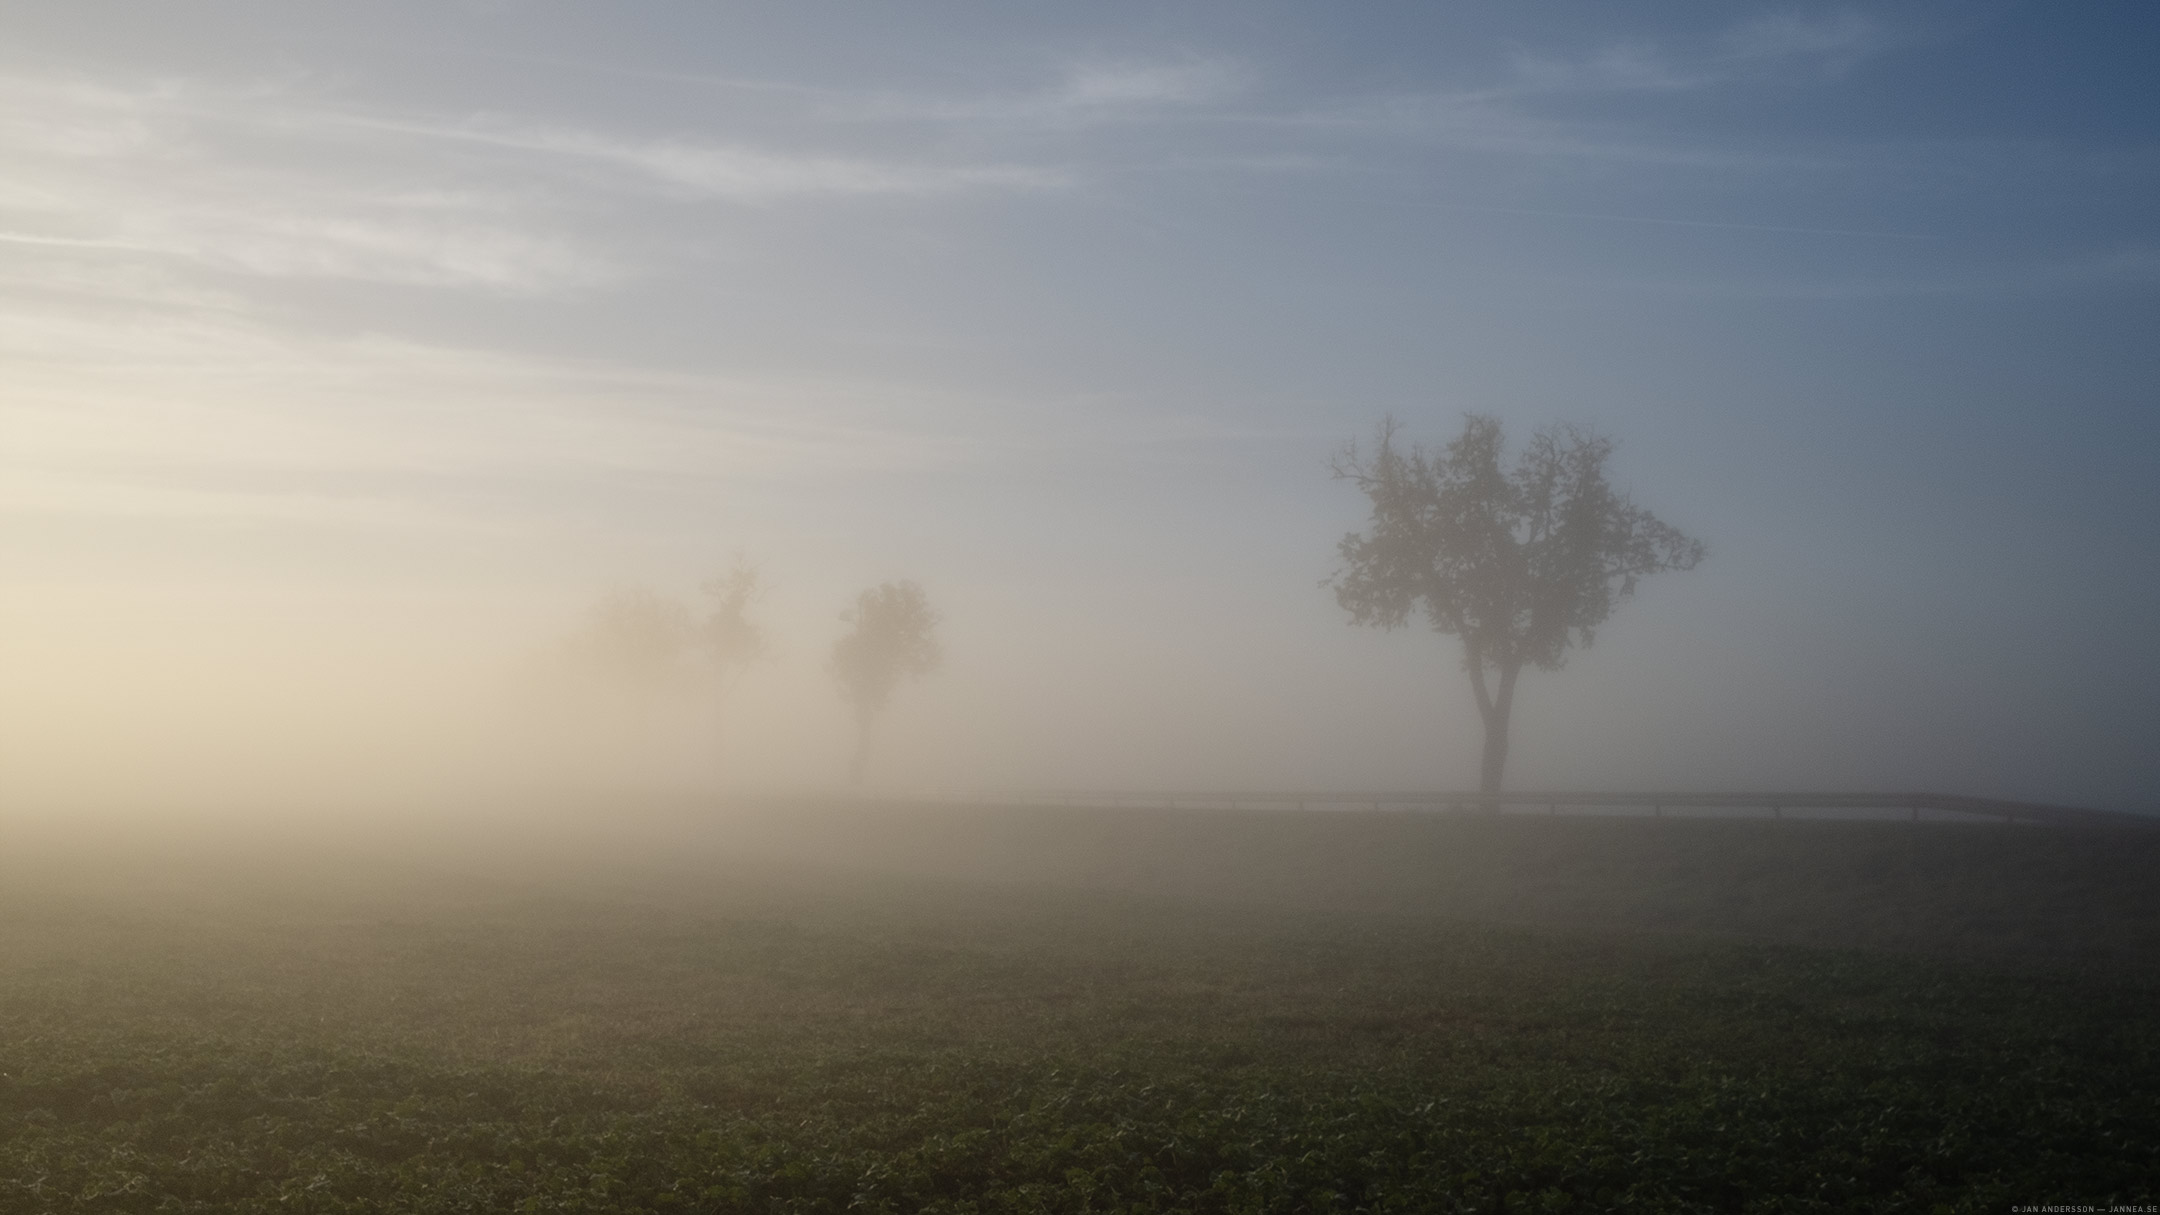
(729, 637)
(890, 641)
(1520, 562)
(635, 639)
(628, 658)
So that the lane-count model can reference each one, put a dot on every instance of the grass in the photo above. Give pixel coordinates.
(302, 1031)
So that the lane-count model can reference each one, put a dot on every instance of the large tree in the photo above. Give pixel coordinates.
(891, 640)
(1520, 562)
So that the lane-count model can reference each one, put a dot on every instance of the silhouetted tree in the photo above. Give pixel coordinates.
(1520, 563)
(891, 641)
(730, 638)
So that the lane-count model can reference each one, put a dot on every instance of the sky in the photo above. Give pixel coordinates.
(347, 349)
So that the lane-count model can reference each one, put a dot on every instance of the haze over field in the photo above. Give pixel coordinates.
(347, 358)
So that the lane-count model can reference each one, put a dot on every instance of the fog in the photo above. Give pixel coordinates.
(207, 698)
(294, 702)
(669, 605)
(347, 361)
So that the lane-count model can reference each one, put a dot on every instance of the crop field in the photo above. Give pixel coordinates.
(977, 1010)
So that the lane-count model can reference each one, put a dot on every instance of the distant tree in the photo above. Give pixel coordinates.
(729, 636)
(1520, 563)
(890, 641)
(613, 677)
(731, 640)
(635, 639)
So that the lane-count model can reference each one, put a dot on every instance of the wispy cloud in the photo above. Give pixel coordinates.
(202, 410)
(1774, 44)
(1829, 42)
(1552, 105)
(209, 414)
(157, 173)
(729, 172)
(269, 181)
(1667, 221)
(1479, 122)
(151, 370)
(1618, 67)
(1084, 94)
(1140, 84)
(2134, 267)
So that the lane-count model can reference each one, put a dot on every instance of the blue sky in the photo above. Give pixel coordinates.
(1060, 311)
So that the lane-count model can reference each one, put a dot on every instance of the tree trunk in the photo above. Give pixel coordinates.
(1496, 712)
(1495, 755)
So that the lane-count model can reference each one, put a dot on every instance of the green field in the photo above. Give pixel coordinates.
(867, 1008)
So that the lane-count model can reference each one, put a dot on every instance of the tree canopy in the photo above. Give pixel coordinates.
(1521, 562)
(730, 637)
(891, 640)
(635, 637)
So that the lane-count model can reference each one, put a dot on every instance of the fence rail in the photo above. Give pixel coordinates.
(1916, 807)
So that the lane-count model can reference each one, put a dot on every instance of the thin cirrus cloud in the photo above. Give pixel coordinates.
(262, 182)
(1095, 85)
(1833, 41)
(149, 376)
(1083, 94)
(121, 191)
(1496, 126)
(727, 172)
(165, 174)
(2126, 267)
(1767, 46)
(498, 204)
(224, 415)
(1535, 109)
